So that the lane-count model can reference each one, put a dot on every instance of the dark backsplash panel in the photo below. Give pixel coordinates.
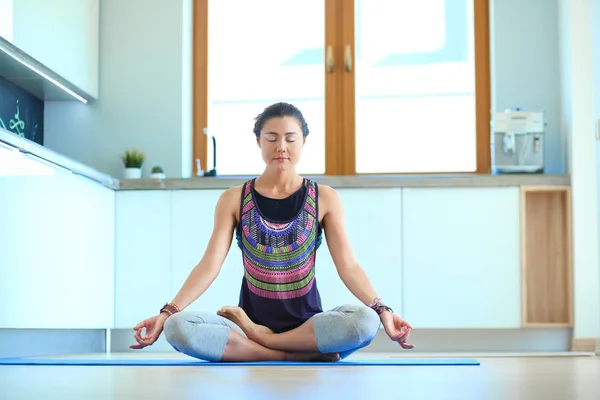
(20, 112)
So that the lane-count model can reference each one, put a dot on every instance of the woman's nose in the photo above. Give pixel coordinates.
(281, 145)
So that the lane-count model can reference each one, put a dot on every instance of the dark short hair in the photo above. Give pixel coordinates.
(280, 110)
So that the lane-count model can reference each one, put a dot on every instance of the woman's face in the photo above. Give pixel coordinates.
(281, 142)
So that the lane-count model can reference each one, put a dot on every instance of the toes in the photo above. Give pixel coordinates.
(231, 310)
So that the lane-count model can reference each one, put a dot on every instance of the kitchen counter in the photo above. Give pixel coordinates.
(361, 181)
(225, 182)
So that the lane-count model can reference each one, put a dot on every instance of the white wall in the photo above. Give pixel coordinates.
(525, 66)
(187, 89)
(578, 115)
(140, 100)
(564, 39)
(63, 35)
(596, 85)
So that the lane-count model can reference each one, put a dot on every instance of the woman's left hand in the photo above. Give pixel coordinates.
(397, 329)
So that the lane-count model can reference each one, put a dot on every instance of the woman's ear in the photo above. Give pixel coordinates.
(258, 142)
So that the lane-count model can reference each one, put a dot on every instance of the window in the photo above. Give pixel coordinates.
(408, 91)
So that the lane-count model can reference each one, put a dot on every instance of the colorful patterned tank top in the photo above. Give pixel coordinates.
(279, 288)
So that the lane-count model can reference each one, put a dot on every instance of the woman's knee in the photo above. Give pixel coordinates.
(182, 327)
(197, 335)
(346, 327)
(174, 330)
(366, 322)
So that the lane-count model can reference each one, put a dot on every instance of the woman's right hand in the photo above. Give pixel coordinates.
(153, 326)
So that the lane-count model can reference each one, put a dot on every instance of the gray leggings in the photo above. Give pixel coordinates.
(342, 330)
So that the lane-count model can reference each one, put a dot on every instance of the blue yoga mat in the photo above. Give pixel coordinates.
(199, 363)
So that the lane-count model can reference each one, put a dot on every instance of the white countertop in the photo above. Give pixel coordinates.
(225, 182)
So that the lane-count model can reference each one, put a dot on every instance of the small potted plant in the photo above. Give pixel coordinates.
(133, 160)
(157, 173)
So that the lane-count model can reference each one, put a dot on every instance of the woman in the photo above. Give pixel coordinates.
(278, 219)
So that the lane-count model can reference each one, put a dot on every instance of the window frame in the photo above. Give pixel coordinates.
(340, 107)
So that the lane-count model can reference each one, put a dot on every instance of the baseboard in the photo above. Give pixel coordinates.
(586, 344)
(36, 342)
(480, 340)
(427, 341)
(44, 342)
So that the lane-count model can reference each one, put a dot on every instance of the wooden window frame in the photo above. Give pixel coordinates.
(200, 83)
(340, 126)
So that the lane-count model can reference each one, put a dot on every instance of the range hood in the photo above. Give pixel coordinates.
(31, 75)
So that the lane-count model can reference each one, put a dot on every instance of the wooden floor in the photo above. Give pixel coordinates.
(500, 376)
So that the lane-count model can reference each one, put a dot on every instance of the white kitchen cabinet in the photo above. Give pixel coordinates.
(461, 265)
(56, 248)
(374, 227)
(6, 19)
(89, 254)
(193, 222)
(61, 34)
(143, 255)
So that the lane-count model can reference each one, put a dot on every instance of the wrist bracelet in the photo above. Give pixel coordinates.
(378, 306)
(170, 309)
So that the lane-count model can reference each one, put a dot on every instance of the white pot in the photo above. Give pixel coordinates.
(132, 173)
(158, 175)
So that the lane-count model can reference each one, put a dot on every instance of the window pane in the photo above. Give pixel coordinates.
(261, 52)
(415, 86)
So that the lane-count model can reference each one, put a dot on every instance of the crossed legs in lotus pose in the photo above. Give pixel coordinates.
(231, 336)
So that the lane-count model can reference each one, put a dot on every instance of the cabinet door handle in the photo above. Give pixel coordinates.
(329, 60)
(348, 58)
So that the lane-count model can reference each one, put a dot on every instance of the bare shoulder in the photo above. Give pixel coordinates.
(232, 193)
(329, 201)
(231, 197)
(327, 194)
(229, 202)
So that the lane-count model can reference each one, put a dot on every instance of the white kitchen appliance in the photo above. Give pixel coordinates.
(518, 141)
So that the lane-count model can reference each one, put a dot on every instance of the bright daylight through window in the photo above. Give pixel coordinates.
(413, 71)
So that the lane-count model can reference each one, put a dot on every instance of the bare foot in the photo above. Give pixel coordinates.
(240, 318)
(329, 357)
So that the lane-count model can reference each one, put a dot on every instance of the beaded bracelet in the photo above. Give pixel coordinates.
(379, 307)
(170, 309)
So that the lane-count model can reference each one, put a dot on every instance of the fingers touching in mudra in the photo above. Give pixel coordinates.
(397, 329)
(152, 327)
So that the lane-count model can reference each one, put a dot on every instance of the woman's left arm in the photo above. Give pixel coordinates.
(348, 268)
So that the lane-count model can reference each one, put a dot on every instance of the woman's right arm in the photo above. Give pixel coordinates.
(204, 273)
(207, 270)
